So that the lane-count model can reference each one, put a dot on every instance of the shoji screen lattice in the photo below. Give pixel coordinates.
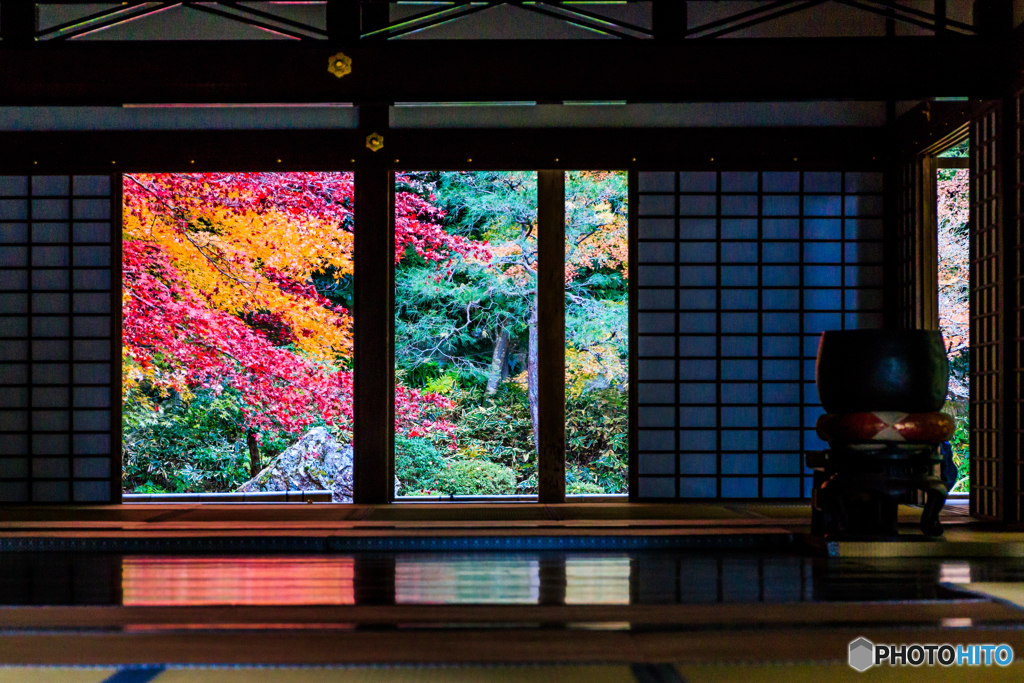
(916, 247)
(1016, 365)
(987, 309)
(57, 299)
(738, 275)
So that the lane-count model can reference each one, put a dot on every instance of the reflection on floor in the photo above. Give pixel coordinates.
(526, 578)
(611, 608)
(647, 593)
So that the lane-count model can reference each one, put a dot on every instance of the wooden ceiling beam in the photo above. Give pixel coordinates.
(470, 149)
(115, 73)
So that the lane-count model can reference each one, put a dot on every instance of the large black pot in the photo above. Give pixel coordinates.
(871, 370)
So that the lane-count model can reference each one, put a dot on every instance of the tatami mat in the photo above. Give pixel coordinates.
(980, 536)
(1011, 592)
(714, 673)
(53, 674)
(908, 514)
(495, 674)
(788, 512)
(951, 545)
(843, 673)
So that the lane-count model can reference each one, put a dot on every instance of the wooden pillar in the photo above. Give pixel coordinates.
(668, 21)
(373, 373)
(993, 18)
(551, 335)
(375, 16)
(940, 18)
(343, 21)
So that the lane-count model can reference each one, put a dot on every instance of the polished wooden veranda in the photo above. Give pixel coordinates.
(316, 527)
(628, 590)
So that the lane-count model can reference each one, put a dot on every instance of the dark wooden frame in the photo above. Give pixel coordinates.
(373, 369)
(117, 324)
(551, 336)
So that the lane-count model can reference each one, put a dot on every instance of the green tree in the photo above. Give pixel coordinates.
(467, 327)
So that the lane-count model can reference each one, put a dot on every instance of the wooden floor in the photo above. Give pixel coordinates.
(572, 611)
(324, 527)
(431, 518)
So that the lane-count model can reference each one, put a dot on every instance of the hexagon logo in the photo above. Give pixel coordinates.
(862, 654)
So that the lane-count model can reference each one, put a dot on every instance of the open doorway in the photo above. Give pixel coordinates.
(952, 196)
(467, 401)
(237, 336)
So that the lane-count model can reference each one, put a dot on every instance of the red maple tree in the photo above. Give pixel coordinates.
(218, 292)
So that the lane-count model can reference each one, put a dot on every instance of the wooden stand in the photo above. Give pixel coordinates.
(858, 488)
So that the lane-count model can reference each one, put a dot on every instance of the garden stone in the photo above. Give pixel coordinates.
(316, 462)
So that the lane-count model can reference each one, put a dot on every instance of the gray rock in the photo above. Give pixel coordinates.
(597, 383)
(316, 462)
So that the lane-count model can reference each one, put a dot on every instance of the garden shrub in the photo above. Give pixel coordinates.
(578, 487)
(597, 439)
(495, 428)
(417, 462)
(194, 446)
(475, 478)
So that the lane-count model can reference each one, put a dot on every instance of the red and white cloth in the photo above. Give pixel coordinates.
(886, 426)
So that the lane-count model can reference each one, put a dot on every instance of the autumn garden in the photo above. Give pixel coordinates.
(954, 291)
(237, 328)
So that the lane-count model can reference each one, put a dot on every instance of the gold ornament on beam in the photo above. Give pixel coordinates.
(340, 64)
(374, 142)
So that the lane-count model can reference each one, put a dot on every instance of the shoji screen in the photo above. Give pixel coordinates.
(907, 238)
(738, 275)
(57, 299)
(916, 247)
(987, 307)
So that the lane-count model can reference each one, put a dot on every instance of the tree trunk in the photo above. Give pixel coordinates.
(254, 454)
(498, 362)
(531, 375)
